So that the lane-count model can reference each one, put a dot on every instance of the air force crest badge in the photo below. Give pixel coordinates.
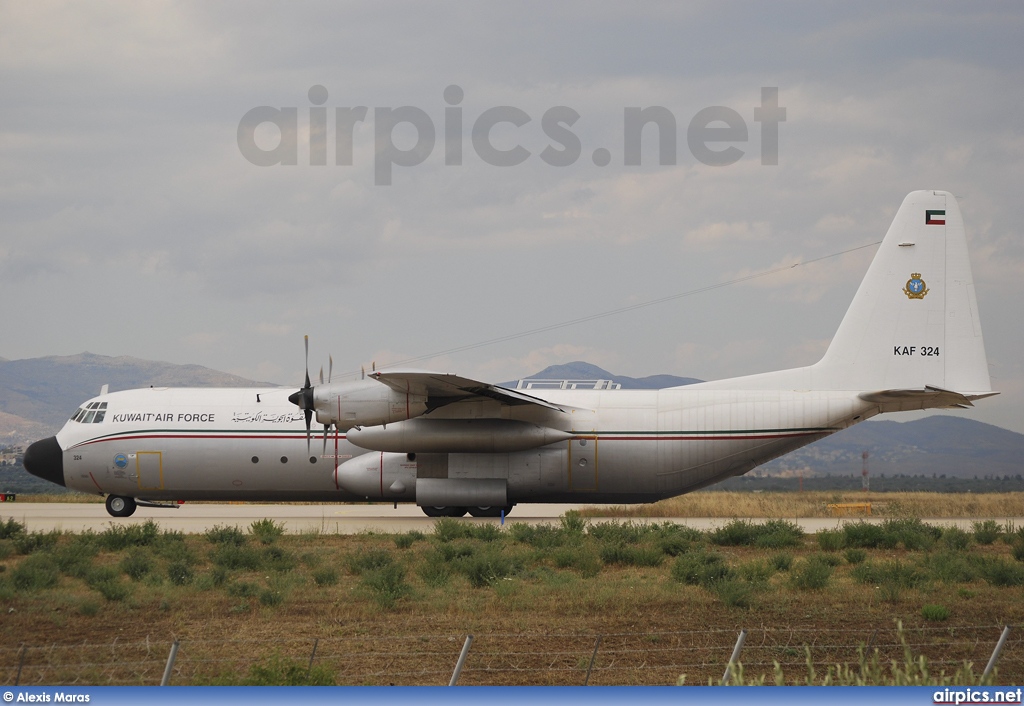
(916, 287)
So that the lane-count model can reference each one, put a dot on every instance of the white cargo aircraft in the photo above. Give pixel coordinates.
(910, 340)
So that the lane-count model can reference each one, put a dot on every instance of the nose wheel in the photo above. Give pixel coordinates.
(120, 506)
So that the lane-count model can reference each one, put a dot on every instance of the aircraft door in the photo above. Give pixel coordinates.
(583, 463)
(150, 468)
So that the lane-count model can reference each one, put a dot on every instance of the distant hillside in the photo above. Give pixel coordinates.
(37, 395)
(578, 370)
(940, 445)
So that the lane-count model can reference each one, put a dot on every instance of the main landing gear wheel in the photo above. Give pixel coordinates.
(119, 506)
(431, 511)
(492, 511)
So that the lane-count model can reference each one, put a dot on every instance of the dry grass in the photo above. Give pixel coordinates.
(814, 504)
(538, 625)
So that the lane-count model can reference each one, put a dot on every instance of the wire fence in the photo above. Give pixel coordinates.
(629, 658)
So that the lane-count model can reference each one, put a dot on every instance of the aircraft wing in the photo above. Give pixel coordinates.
(442, 389)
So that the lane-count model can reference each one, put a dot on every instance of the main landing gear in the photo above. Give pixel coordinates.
(120, 506)
(450, 511)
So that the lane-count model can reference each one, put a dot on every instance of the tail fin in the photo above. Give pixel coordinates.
(912, 337)
(914, 321)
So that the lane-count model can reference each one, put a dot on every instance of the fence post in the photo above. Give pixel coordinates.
(309, 669)
(592, 658)
(462, 660)
(995, 653)
(170, 663)
(735, 657)
(21, 663)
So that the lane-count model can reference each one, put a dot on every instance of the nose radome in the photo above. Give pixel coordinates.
(45, 459)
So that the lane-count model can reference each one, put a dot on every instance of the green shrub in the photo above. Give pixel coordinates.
(447, 529)
(734, 593)
(812, 574)
(360, 562)
(137, 564)
(700, 569)
(774, 534)
(1018, 550)
(734, 534)
(757, 572)
(951, 567)
(864, 535)
(956, 539)
(386, 584)
(484, 568)
(889, 572)
(855, 555)
(243, 589)
(118, 537)
(934, 612)
(266, 531)
(911, 532)
(540, 536)
(487, 532)
(75, 559)
(406, 540)
(1000, 572)
(179, 572)
(237, 557)
(113, 589)
(278, 671)
(325, 576)
(579, 558)
(34, 573)
(631, 556)
(572, 522)
(11, 528)
(271, 597)
(782, 561)
(621, 532)
(30, 542)
(435, 574)
(222, 534)
(986, 532)
(278, 559)
(831, 540)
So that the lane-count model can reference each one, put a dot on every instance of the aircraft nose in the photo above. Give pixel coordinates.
(45, 459)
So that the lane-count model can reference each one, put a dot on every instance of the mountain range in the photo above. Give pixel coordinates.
(37, 395)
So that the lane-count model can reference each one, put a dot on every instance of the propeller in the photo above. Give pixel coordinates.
(303, 399)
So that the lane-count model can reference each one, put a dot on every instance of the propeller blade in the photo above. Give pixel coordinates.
(327, 428)
(330, 367)
(321, 375)
(307, 362)
(309, 422)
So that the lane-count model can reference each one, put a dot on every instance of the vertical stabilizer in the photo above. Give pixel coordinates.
(914, 321)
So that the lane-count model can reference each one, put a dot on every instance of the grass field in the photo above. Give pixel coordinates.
(253, 605)
(727, 504)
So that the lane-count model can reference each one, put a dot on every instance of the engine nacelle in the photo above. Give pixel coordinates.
(378, 476)
(364, 403)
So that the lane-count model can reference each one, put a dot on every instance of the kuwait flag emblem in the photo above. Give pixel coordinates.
(935, 218)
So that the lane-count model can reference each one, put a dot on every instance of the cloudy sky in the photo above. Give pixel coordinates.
(131, 222)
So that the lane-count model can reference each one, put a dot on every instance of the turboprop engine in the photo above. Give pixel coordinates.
(354, 404)
(364, 403)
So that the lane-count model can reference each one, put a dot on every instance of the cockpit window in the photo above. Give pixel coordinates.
(93, 413)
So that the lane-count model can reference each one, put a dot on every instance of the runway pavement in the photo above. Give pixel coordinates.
(338, 519)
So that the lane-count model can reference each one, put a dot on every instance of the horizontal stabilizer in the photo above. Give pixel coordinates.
(927, 397)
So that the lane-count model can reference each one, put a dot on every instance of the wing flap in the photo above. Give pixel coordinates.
(444, 388)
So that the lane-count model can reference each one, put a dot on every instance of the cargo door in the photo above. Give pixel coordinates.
(150, 468)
